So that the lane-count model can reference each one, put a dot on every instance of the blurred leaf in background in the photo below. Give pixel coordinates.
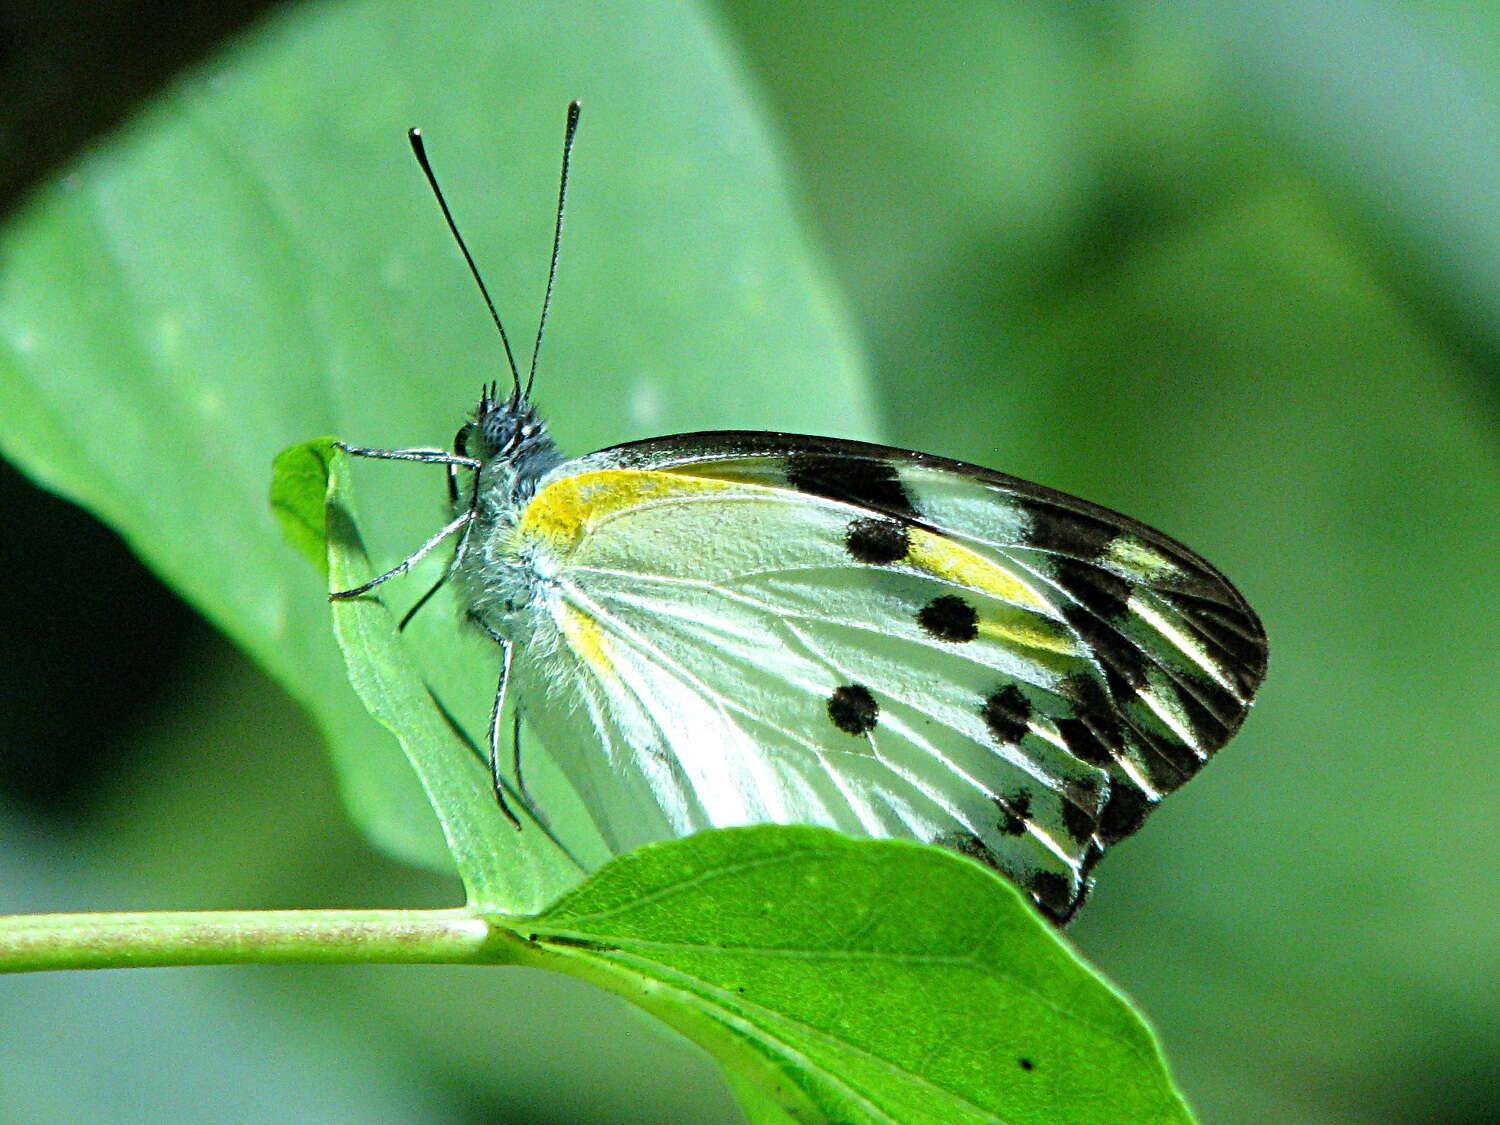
(1229, 267)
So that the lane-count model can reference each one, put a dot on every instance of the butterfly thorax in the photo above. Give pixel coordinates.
(515, 452)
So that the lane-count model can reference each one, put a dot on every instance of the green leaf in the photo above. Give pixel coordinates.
(862, 981)
(299, 497)
(504, 869)
(256, 260)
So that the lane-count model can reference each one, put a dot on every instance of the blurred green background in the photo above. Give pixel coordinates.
(1233, 268)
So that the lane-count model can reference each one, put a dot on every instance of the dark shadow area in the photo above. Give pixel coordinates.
(73, 69)
(90, 641)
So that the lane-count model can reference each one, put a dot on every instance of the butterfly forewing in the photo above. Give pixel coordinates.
(768, 627)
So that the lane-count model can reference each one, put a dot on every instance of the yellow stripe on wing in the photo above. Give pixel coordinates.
(587, 639)
(1031, 632)
(567, 508)
(946, 558)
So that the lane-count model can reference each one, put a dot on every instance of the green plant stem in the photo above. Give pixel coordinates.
(32, 942)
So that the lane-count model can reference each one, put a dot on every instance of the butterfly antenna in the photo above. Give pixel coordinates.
(562, 199)
(415, 136)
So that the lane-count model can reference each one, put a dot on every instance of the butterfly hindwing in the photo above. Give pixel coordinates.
(769, 627)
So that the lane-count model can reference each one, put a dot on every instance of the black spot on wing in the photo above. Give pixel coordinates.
(1099, 606)
(1005, 713)
(1098, 731)
(1078, 821)
(853, 709)
(1124, 811)
(878, 542)
(1015, 811)
(1067, 531)
(1100, 591)
(1165, 759)
(1054, 894)
(949, 618)
(1122, 662)
(1080, 808)
(1083, 743)
(868, 482)
(1093, 733)
(1212, 713)
(1103, 732)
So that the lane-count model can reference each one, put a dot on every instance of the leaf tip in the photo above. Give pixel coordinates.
(298, 497)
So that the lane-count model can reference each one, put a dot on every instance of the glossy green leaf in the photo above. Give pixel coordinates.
(860, 981)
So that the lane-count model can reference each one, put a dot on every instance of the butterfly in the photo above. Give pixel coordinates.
(726, 628)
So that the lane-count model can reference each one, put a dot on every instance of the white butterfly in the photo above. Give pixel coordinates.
(729, 628)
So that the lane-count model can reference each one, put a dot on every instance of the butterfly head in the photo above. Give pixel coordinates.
(509, 438)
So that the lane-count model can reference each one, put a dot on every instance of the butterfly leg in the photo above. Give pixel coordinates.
(426, 456)
(407, 563)
(453, 462)
(458, 554)
(495, 714)
(515, 759)
(423, 600)
(495, 710)
(515, 755)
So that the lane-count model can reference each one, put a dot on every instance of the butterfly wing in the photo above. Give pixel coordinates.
(772, 627)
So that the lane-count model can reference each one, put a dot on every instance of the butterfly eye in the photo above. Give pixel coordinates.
(461, 440)
(493, 431)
